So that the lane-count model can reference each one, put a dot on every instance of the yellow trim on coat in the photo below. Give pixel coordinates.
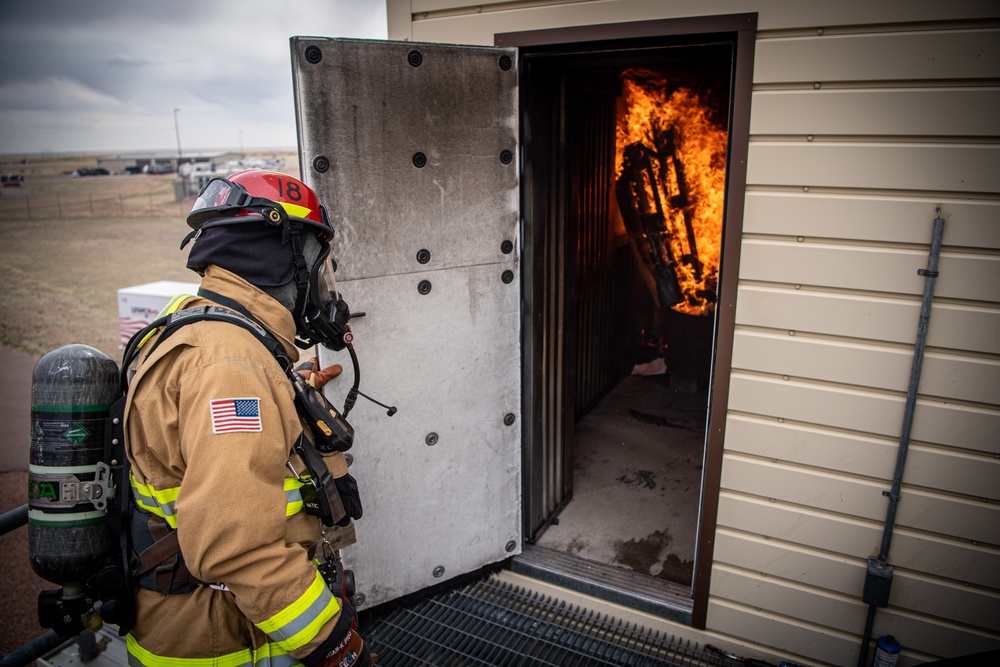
(298, 624)
(161, 503)
(168, 309)
(243, 658)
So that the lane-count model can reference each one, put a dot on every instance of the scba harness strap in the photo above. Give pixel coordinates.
(331, 432)
(154, 554)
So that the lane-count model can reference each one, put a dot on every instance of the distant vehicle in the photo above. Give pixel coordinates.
(91, 171)
(163, 168)
(12, 180)
(132, 169)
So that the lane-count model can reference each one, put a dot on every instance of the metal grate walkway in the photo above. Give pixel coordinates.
(497, 624)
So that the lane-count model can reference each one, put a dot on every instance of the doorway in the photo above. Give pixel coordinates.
(630, 263)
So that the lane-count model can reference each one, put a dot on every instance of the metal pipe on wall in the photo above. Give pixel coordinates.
(879, 576)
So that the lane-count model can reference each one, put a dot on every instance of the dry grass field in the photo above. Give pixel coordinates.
(68, 244)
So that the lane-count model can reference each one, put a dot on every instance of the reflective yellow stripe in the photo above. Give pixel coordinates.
(295, 209)
(160, 503)
(293, 496)
(272, 655)
(140, 657)
(171, 306)
(297, 624)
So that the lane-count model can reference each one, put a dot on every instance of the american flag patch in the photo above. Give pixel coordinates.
(230, 415)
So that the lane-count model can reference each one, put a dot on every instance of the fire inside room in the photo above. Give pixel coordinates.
(624, 182)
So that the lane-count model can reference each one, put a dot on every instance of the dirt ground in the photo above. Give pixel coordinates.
(61, 267)
(61, 275)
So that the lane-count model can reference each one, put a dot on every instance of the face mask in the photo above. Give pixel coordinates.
(324, 314)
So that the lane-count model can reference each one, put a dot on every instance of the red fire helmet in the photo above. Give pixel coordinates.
(254, 192)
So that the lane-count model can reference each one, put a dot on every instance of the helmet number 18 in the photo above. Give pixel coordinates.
(289, 190)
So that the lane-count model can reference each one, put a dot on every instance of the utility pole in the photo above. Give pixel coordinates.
(177, 131)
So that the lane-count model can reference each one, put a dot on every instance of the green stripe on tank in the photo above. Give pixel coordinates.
(71, 408)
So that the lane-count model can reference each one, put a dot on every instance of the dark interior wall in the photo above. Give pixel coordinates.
(547, 464)
(603, 285)
(585, 298)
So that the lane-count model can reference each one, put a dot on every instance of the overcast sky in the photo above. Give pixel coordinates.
(106, 75)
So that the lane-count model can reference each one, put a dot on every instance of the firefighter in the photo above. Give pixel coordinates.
(211, 423)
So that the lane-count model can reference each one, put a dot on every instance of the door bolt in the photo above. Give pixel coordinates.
(313, 54)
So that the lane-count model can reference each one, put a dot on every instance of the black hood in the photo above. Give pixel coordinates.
(253, 251)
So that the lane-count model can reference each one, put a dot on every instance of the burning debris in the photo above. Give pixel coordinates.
(671, 165)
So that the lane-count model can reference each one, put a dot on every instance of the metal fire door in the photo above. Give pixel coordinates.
(413, 147)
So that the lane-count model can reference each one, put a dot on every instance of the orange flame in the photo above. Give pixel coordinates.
(698, 163)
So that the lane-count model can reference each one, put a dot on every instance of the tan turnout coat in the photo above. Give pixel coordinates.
(230, 494)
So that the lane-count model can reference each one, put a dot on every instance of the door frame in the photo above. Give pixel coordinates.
(741, 29)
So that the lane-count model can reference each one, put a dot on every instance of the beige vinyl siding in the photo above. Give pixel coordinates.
(776, 558)
(945, 469)
(819, 489)
(850, 361)
(934, 167)
(464, 22)
(887, 54)
(851, 215)
(803, 261)
(958, 326)
(947, 112)
(865, 118)
(853, 147)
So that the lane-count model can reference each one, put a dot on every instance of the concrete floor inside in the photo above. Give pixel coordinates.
(637, 480)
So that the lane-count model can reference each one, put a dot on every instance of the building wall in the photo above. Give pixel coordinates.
(866, 118)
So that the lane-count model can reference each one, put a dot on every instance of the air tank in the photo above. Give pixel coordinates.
(72, 390)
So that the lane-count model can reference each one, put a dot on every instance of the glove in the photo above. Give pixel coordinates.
(317, 378)
(351, 651)
(347, 487)
(344, 647)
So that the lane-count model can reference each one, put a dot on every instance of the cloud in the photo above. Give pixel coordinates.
(123, 66)
(57, 93)
(127, 60)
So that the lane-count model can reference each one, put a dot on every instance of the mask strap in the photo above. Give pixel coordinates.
(301, 274)
(191, 235)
